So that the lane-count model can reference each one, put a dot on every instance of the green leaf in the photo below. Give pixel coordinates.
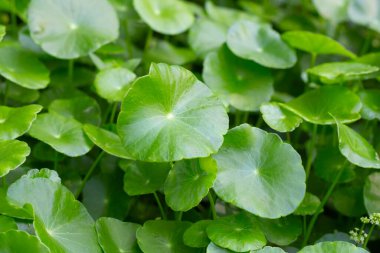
(169, 115)
(364, 12)
(113, 83)
(60, 221)
(19, 94)
(241, 83)
(63, 134)
(23, 68)
(279, 118)
(348, 200)
(11, 210)
(206, 36)
(371, 193)
(2, 32)
(165, 16)
(69, 29)
(20, 241)
(316, 106)
(341, 72)
(332, 247)
(13, 153)
(163, 51)
(84, 109)
(52, 175)
(356, 149)
(237, 232)
(163, 236)
(336, 10)
(254, 163)
(189, 182)
(372, 58)
(268, 249)
(16, 121)
(212, 248)
(117, 236)
(106, 140)
(7, 223)
(371, 104)
(308, 205)
(315, 43)
(260, 43)
(195, 236)
(144, 178)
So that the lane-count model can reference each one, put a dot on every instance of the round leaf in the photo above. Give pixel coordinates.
(107, 141)
(336, 10)
(8, 209)
(371, 104)
(268, 249)
(163, 236)
(260, 43)
(340, 72)
(196, 236)
(23, 68)
(365, 12)
(13, 153)
(348, 200)
(316, 106)
(332, 247)
(238, 233)
(20, 241)
(356, 149)
(308, 205)
(113, 83)
(144, 178)
(169, 115)
(254, 166)
(212, 248)
(165, 16)
(241, 83)
(117, 236)
(163, 51)
(372, 193)
(61, 222)
(69, 29)
(315, 43)
(15, 121)
(63, 134)
(189, 182)
(279, 118)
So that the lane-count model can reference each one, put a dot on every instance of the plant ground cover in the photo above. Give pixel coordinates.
(169, 126)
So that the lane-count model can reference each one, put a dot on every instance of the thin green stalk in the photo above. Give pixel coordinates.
(148, 40)
(369, 235)
(320, 207)
(367, 43)
(237, 118)
(313, 59)
(288, 138)
(113, 112)
(304, 225)
(259, 122)
(212, 206)
(178, 216)
(70, 70)
(89, 173)
(312, 147)
(244, 118)
(14, 17)
(163, 214)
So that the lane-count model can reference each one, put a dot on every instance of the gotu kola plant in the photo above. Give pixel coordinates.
(189, 126)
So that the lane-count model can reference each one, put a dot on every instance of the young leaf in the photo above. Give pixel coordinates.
(60, 221)
(279, 118)
(113, 83)
(341, 72)
(189, 182)
(13, 153)
(260, 43)
(356, 149)
(371, 104)
(20, 241)
(117, 236)
(23, 68)
(241, 83)
(308, 205)
(7, 223)
(238, 233)
(196, 236)
(163, 236)
(63, 134)
(144, 178)
(332, 247)
(254, 165)
(316, 106)
(371, 193)
(165, 16)
(15, 121)
(169, 115)
(315, 43)
(106, 140)
(69, 29)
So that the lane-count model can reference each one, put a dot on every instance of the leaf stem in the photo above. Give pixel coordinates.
(163, 214)
(178, 216)
(313, 59)
(113, 112)
(14, 17)
(320, 207)
(369, 235)
(212, 206)
(312, 147)
(70, 70)
(148, 39)
(89, 173)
